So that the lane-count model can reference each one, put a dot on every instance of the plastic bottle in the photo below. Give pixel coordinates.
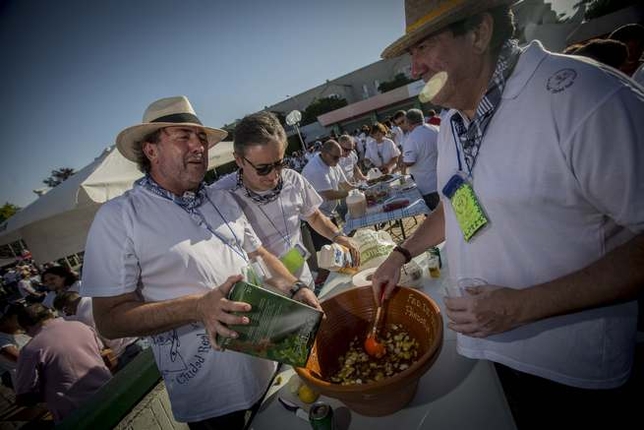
(356, 203)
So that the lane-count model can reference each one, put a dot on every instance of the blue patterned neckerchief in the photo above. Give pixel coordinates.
(189, 200)
(472, 136)
(262, 199)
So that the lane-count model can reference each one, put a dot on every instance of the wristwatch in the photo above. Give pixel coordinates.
(404, 252)
(296, 287)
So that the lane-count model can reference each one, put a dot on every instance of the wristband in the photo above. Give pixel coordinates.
(297, 286)
(404, 252)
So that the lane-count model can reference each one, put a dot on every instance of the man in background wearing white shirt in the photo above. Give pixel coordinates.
(349, 160)
(327, 178)
(420, 154)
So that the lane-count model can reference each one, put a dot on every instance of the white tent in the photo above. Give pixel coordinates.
(56, 224)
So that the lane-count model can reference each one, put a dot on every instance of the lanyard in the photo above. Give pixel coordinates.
(457, 139)
(286, 238)
(237, 248)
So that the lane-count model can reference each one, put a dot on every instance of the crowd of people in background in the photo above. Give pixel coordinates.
(391, 128)
(50, 351)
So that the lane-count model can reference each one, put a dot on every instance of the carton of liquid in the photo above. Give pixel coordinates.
(336, 258)
(356, 204)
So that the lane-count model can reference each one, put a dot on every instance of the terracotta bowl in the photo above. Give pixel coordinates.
(350, 314)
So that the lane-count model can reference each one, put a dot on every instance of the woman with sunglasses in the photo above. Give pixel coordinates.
(275, 199)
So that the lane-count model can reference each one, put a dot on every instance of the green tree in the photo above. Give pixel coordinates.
(58, 176)
(321, 106)
(597, 8)
(398, 81)
(7, 211)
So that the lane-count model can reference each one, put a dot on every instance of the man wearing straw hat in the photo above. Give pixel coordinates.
(541, 197)
(161, 259)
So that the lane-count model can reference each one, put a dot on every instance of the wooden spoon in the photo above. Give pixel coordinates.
(371, 344)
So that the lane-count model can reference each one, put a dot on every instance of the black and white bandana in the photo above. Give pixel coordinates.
(261, 199)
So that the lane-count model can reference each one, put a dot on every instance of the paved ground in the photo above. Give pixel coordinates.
(15, 417)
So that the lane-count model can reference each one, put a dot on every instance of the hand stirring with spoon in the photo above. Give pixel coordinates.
(371, 344)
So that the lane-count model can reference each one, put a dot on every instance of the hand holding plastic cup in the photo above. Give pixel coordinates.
(457, 287)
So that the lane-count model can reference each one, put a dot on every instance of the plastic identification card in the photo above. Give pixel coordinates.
(467, 209)
(256, 272)
(295, 257)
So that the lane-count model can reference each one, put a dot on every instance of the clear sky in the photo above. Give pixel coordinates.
(76, 72)
(563, 6)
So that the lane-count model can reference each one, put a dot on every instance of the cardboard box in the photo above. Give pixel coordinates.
(280, 329)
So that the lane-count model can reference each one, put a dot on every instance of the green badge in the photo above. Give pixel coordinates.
(294, 258)
(467, 209)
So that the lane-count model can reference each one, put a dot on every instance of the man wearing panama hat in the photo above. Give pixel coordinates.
(161, 259)
(541, 196)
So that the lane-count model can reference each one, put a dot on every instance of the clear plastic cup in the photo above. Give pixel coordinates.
(456, 287)
(434, 266)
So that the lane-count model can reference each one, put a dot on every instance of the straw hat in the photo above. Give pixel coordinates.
(168, 112)
(424, 17)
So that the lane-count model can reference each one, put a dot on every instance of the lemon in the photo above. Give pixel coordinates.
(294, 384)
(306, 394)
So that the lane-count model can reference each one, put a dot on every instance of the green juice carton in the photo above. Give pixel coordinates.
(280, 329)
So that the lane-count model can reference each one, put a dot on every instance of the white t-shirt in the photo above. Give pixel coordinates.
(559, 174)
(84, 313)
(277, 223)
(347, 164)
(381, 153)
(324, 178)
(420, 148)
(143, 242)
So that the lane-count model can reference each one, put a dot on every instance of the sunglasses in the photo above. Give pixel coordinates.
(265, 169)
(347, 149)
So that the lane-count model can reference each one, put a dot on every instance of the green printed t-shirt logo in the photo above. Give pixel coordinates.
(468, 211)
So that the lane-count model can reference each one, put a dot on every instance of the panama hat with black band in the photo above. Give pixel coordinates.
(167, 112)
(425, 17)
